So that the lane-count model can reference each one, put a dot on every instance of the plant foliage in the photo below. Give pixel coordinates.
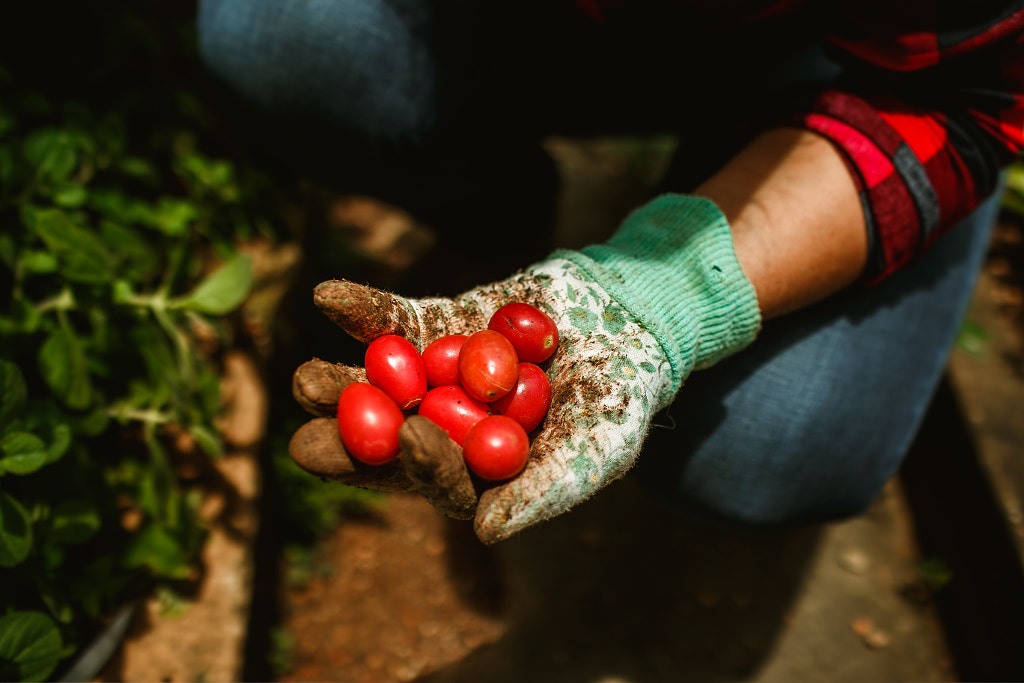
(118, 243)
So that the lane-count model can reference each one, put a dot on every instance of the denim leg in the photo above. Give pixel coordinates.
(810, 422)
(386, 98)
(363, 65)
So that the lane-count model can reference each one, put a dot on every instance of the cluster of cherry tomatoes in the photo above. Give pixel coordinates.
(485, 389)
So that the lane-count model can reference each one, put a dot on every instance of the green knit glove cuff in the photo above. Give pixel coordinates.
(673, 266)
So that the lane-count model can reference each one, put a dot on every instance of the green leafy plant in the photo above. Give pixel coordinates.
(935, 572)
(973, 338)
(119, 263)
(107, 289)
(1013, 195)
(29, 645)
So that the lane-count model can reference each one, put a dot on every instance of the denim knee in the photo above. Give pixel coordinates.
(779, 477)
(364, 65)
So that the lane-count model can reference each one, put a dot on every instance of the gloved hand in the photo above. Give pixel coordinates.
(663, 297)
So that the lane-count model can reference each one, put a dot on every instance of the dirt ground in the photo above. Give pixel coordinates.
(403, 591)
(614, 591)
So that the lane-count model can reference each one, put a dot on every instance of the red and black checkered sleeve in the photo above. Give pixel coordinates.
(927, 118)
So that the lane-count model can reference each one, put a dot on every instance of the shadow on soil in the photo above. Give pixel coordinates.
(613, 589)
(958, 522)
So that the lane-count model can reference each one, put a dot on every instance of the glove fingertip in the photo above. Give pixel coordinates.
(364, 312)
(316, 448)
(435, 464)
(317, 384)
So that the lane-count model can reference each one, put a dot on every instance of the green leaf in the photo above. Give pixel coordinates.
(157, 550)
(155, 351)
(24, 318)
(22, 453)
(1013, 202)
(8, 166)
(46, 420)
(80, 253)
(74, 521)
(70, 195)
(60, 444)
(15, 531)
(8, 247)
(63, 366)
(53, 596)
(94, 583)
(972, 338)
(122, 291)
(37, 261)
(52, 152)
(7, 122)
(137, 258)
(174, 216)
(223, 290)
(208, 173)
(119, 207)
(13, 393)
(30, 646)
(93, 423)
(148, 497)
(935, 572)
(53, 555)
(207, 440)
(139, 168)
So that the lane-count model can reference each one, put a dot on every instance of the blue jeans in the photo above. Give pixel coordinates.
(810, 422)
(806, 425)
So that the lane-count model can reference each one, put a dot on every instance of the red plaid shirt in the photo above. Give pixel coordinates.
(943, 113)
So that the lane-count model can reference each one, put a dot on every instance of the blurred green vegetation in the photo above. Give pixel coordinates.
(1013, 197)
(125, 193)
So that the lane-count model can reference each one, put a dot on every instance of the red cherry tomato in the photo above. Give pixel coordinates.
(442, 360)
(453, 410)
(368, 423)
(394, 365)
(496, 448)
(488, 365)
(532, 332)
(529, 401)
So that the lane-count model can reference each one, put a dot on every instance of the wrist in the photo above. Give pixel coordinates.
(673, 266)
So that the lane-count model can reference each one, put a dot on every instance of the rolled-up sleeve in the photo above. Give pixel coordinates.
(931, 108)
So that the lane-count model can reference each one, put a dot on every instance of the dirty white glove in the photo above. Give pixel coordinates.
(663, 297)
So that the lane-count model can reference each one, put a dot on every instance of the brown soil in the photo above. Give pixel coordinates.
(406, 592)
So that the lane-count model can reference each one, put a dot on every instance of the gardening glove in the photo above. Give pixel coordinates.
(636, 315)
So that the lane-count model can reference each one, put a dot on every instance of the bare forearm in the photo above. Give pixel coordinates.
(798, 226)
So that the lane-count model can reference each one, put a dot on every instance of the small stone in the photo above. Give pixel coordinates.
(435, 546)
(855, 562)
(862, 626)
(876, 640)
(406, 671)
(872, 637)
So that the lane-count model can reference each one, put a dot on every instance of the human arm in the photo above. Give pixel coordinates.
(796, 220)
